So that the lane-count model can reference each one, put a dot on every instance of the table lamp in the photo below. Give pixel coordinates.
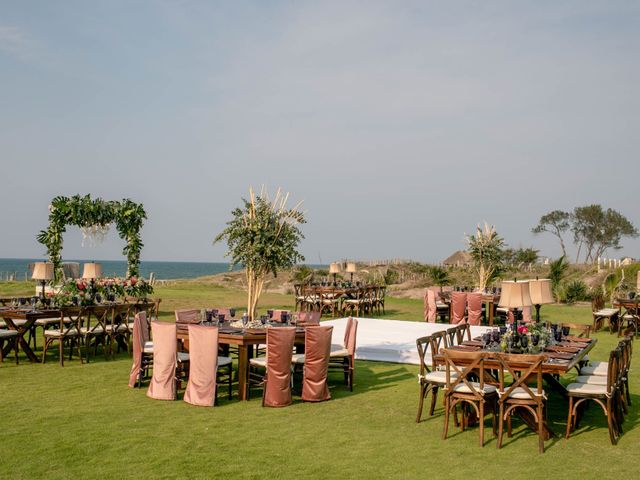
(351, 268)
(515, 295)
(42, 271)
(91, 271)
(540, 291)
(334, 268)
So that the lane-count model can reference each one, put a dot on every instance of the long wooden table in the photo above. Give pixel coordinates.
(244, 340)
(550, 370)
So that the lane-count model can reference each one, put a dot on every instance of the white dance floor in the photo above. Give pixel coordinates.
(390, 340)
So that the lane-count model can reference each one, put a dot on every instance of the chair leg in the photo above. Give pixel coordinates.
(569, 417)
(423, 393)
(540, 429)
(500, 426)
(230, 379)
(447, 407)
(481, 421)
(434, 399)
(61, 351)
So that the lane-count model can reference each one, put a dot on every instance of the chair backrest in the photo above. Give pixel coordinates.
(463, 332)
(350, 336)
(458, 307)
(72, 318)
(191, 315)
(317, 348)
(459, 365)
(304, 319)
(452, 337)
(98, 319)
(430, 308)
(613, 370)
(203, 361)
(524, 369)
(277, 389)
(580, 329)
(597, 301)
(474, 308)
(163, 381)
(139, 337)
(277, 315)
(430, 344)
(437, 341)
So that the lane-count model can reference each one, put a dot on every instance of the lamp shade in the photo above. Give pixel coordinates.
(42, 271)
(334, 268)
(515, 295)
(540, 291)
(92, 270)
(351, 267)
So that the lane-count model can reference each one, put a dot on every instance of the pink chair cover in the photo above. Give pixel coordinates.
(188, 316)
(277, 390)
(163, 382)
(474, 308)
(350, 336)
(203, 362)
(430, 308)
(317, 347)
(139, 338)
(526, 315)
(226, 311)
(458, 307)
(510, 317)
(277, 315)
(304, 319)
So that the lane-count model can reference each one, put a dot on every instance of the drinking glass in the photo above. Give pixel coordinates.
(98, 298)
(232, 312)
(270, 313)
(33, 301)
(221, 317)
(565, 331)
(22, 301)
(486, 339)
(245, 320)
(557, 335)
(74, 300)
(495, 335)
(263, 319)
(535, 339)
(524, 341)
(503, 329)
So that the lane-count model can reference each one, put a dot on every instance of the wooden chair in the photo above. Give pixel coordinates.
(462, 332)
(11, 337)
(458, 307)
(94, 327)
(68, 331)
(380, 293)
(474, 308)
(343, 357)
(142, 349)
(607, 396)
(357, 305)
(459, 389)
(601, 314)
(315, 363)
(429, 378)
(168, 363)
(523, 369)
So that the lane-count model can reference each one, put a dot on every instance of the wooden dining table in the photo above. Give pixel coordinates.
(21, 320)
(559, 363)
(245, 340)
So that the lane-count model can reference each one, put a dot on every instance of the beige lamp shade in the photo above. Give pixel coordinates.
(334, 268)
(351, 267)
(540, 291)
(42, 271)
(92, 271)
(515, 295)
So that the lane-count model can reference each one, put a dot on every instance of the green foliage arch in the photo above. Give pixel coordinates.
(83, 211)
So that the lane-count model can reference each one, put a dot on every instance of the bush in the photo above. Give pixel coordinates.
(576, 291)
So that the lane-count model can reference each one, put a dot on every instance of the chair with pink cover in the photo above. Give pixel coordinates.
(526, 315)
(458, 307)
(277, 315)
(317, 343)
(430, 307)
(305, 319)
(164, 381)
(342, 357)
(474, 308)
(142, 349)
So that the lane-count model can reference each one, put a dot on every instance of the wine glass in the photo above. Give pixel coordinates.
(220, 317)
(503, 329)
(245, 320)
(509, 342)
(232, 312)
(535, 339)
(98, 298)
(557, 334)
(22, 301)
(33, 301)
(263, 319)
(524, 341)
(270, 313)
(486, 339)
(285, 318)
(565, 331)
(495, 335)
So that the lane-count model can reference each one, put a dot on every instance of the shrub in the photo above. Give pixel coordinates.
(576, 291)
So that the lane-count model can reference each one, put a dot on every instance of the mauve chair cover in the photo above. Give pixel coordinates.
(226, 311)
(140, 337)
(430, 307)
(280, 342)
(203, 364)
(347, 331)
(188, 316)
(277, 315)
(350, 336)
(163, 383)
(458, 306)
(510, 317)
(526, 315)
(317, 347)
(474, 308)
(304, 319)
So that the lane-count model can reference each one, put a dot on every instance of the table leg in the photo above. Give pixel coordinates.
(555, 385)
(490, 313)
(22, 331)
(243, 370)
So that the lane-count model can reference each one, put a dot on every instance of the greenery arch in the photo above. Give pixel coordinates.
(83, 211)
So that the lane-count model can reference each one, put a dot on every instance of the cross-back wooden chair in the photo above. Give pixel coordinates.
(357, 304)
(463, 332)
(430, 378)
(11, 337)
(97, 322)
(460, 389)
(602, 314)
(523, 369)
(452, 336)
(68, 331)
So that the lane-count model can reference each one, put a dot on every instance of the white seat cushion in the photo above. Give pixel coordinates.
(183, 357)
(520, 393)
(343, 352)
(59, 333)
(606, 312)
(224, 361)
(8, 333)
(601, 369)
(259, 362)
(148, 347)
(592, 379)
(463, 388)
(92, 330)
(42, 322)
(439, 376)
(587, 388)
(297, 358)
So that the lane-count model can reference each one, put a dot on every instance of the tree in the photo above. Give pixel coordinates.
(526, 255)
(439, 276)
(557, 270)
(263, 237)
(597, 230)
(556, 222)
(486, 251)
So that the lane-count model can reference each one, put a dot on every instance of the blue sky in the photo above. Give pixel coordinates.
(402, 125)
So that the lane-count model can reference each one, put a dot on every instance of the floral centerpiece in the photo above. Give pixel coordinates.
(531, 337)
(83, 292)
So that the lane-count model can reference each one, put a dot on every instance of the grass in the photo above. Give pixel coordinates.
(82, 421)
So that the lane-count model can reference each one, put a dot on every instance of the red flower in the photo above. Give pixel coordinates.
(81, 285)
(523, 329)
(133, 281)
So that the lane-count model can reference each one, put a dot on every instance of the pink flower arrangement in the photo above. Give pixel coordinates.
(522, 329)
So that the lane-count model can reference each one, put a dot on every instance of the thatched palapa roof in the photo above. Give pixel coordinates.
(458, 259)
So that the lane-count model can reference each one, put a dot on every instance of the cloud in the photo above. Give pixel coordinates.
(15, 42)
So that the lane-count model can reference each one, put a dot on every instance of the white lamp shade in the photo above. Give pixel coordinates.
(540, 291)
(351, 267)
(334, 268)
(42, 271)
(515, 295)
(92, 271)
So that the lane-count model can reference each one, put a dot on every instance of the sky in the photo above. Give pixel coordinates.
(402, 125)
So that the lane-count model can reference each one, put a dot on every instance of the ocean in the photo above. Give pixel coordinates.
(18, 267)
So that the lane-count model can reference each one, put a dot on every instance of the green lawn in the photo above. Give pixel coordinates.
(82, 421)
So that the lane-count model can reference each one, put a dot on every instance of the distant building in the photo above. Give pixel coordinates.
(627, 261)
(458, 259)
